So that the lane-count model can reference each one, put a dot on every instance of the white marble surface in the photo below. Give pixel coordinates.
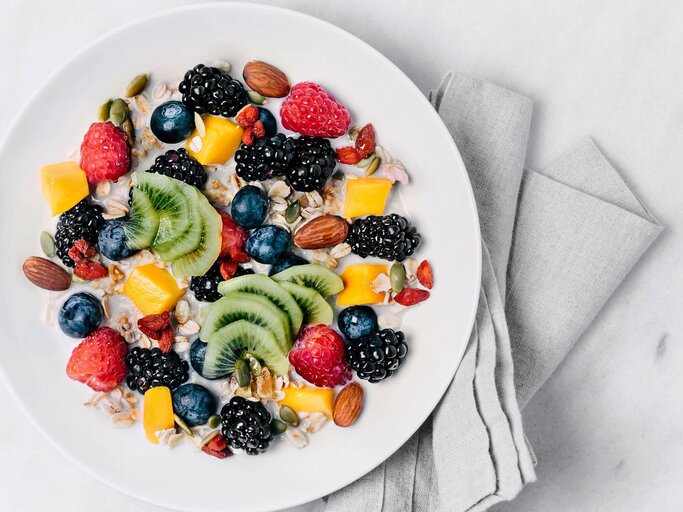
(607, 427)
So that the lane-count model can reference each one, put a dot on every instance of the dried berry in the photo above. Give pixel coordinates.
(365, 142)
(217, 447)
(228, 269)
(153, 325)
(424, 274)
(90, 270)
(247, 116)
(166, 339)
(348, 155)
(82, 250)
(410, 296)
(248, 136)
(259, 130)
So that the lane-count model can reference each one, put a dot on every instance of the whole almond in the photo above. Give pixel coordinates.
(347, 405)
(265, 79)
(46, 274)
(321, 232)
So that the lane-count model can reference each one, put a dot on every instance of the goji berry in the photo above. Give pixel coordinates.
(153, 325)
(239, 255)
(166, 339)
(247, 116)
(424, 274)
(248, 136)
(82, 250)
(259, 130)
(217, 447)
(233, 239)
(228, 269)
(410, 296)
(348, 155)
(90, 270)
(365, 142)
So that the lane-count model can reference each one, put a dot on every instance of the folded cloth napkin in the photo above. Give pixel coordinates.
(556, 244)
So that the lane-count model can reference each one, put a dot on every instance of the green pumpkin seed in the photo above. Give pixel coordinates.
(47, 244)
(136, 85)
(277, 427)
(397, 276)
(289, 415)
(365, 162)
(255, 366)
(183, 426)
(354, 132)
(127, 127)
(374, 165)
(338, 176)
(118, 112)
(292, 212)
(214, 421)
(243, 373)
(103, 111)
(225, 67)
(256, 98)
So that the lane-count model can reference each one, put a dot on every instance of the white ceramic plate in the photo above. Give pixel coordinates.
(439, 198)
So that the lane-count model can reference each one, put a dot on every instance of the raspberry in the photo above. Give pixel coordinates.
(234, 237)
(348, 155)
(424, 274)
(99, 360)
(105, 154)
(311, 110)
(410, 296)
(365, 142)
(318, 356)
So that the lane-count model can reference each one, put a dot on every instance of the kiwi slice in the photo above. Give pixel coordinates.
(316, 309)
(199, 261)
(251, 307)
(238, 340)
(265, 286)
(168, 201)
(143, 222)
(315, 276)
(187, 241)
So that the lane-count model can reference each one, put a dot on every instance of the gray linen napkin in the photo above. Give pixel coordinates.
(555, 247)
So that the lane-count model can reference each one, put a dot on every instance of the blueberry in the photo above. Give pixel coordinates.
(268, 120)
(249, 207)
(289, 260)
(197, 355)
(357, 321)
(80, 315)
(194, 404)
(111, 242)
(172, 122)
(268, 244)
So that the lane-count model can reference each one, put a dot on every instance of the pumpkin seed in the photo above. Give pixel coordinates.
(353, 133)
(277, 427)
(365, 162)
(374, 165)
(338, 176)
(255, 366)
(103, 111)
(183, 426)
(214, 421)
(118, 112)
(243, 373)
(292, 212)
(47, 244)
(397, 276)
(289, 415)
(224, 66)
(256, 98)
(136, 85)
(128, 129)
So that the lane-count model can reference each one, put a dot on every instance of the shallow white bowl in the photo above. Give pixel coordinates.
(439, 198)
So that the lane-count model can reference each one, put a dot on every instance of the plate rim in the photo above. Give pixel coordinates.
(23, 406)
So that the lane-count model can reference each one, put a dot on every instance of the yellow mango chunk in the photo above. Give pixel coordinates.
(152, 289)
(220, 141)
(365, 196)
(63, 185)
(358, 284)
(157, 413)
(309, 399)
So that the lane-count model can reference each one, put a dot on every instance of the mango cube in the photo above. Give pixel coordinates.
(63, 185)
(365, 196)
(221, 139)
(309, 399)
(152, 289)
(358, 284)
(157, 413)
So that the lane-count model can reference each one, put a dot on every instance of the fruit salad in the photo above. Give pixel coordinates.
(227, 260)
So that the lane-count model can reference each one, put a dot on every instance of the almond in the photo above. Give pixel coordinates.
(321, 232)
(46, 274)
(347, 405)
(265, 79)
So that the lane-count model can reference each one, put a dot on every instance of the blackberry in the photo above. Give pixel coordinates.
(176, 163)
(265, 157)
(246, 425)
(151, 368)
(83, 221)
(390, 237)
(377, 356)
(314, 162)
(205, 287)
(208, 90)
